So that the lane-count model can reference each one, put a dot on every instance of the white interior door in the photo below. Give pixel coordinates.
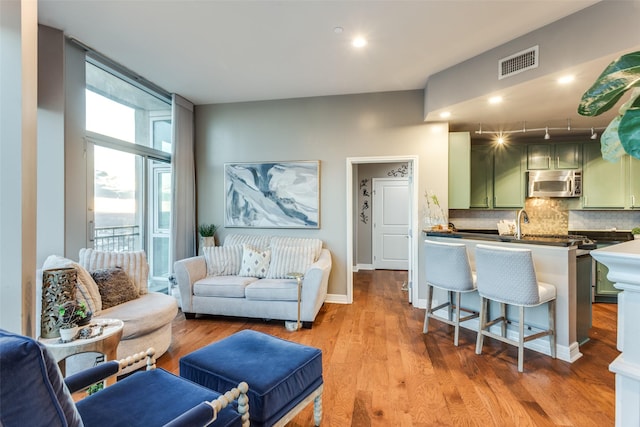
(391, 223)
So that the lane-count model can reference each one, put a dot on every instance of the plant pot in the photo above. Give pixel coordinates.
(68, 334)
(636, 236)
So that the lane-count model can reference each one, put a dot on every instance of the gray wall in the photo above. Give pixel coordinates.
(329, 129)
(607, 27)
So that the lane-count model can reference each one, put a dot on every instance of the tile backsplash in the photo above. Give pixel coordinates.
(548, 216)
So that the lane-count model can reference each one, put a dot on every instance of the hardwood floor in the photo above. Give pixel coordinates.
(380, 370)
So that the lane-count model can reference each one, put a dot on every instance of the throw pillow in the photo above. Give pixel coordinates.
(115, 286)
(87, 289)
(254, 263)
(290, 259)
(315, 244)
(223, 260)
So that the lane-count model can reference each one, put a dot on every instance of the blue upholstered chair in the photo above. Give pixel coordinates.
(33, 393)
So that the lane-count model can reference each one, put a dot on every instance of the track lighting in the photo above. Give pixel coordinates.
(502, 134)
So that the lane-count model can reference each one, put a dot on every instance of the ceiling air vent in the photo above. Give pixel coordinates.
(518, 62)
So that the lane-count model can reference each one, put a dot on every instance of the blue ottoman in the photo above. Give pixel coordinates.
(283, 376)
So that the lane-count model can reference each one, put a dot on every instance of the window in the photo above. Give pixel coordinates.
(128, 129)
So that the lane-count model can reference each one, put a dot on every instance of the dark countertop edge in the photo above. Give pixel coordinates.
(497, 238)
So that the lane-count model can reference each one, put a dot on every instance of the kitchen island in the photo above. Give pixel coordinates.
(555, 261)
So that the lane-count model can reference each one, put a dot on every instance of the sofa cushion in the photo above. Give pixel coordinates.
(289, 259)
(115, 286)
(223, 260)
(87, 289)
(143, 315)
(314, 244)
(272, 290)
(222, 286)
(136, 401)
(134, 263)
(255, 263)
(260, 242)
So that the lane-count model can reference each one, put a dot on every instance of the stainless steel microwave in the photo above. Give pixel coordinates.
(555, 183)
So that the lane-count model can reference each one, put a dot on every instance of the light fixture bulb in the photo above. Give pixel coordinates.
(445, 115)
(359, 42)
(546, 133)
(594, 134)
(495, 100)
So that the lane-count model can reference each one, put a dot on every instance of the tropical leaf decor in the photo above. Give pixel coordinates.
(623, 133)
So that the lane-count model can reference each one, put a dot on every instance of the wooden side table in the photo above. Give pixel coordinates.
(105, 343)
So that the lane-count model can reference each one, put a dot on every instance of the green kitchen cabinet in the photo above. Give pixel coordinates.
(604, 183)
(554, 156)
(459, 170)
(508, 176)
(497, 176)
(481, 176)
(634, 183)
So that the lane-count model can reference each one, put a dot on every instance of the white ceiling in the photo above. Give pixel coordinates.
(231, 51)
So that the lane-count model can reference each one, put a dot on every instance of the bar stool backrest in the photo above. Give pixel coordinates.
(506, 275)
(447, 266)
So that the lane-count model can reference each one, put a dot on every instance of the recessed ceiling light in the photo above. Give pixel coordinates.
(445, 114)
(565, 79)
(359, 42)
(338, 30)
(495, 100)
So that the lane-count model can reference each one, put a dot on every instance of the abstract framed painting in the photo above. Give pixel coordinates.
(272, 194)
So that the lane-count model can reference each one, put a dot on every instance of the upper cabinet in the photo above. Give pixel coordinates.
(634, 183)
(608, 184)
(459, 170)
(481, 177)
(554, 156)
(497, 176)
(508, 176)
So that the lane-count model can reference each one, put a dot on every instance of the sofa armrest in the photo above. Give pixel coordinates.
(314, 286)
(188, 271)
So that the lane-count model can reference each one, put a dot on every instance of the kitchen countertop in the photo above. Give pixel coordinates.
(488, 236)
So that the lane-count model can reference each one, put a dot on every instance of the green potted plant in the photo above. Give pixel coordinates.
(70, 314)
(636, 232)
(207, 234)
(623, 133)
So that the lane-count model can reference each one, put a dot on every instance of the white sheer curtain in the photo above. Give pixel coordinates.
(183, 208)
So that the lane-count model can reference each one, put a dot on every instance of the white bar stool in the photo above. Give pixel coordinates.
(447, 267)
(508, 276)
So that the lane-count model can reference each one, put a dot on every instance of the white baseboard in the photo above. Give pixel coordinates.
(336, 299)
(359, 267)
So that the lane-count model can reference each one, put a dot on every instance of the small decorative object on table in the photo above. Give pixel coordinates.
(58, 286)
(70, 314)
(207, 234)
(434, 216)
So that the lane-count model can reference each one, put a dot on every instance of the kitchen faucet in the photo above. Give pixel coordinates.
(522, 214)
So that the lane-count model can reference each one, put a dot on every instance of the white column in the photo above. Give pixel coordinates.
(623, 261)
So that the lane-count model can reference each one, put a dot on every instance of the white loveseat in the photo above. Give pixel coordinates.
(147, 318)
(227, 281)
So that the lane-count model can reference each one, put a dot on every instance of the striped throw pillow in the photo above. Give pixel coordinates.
(223, 260)
(290, 259)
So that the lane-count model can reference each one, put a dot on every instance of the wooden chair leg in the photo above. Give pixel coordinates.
(521, 340)
(425, 327)
(552, 327)
(456, 332)
(481, 325)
